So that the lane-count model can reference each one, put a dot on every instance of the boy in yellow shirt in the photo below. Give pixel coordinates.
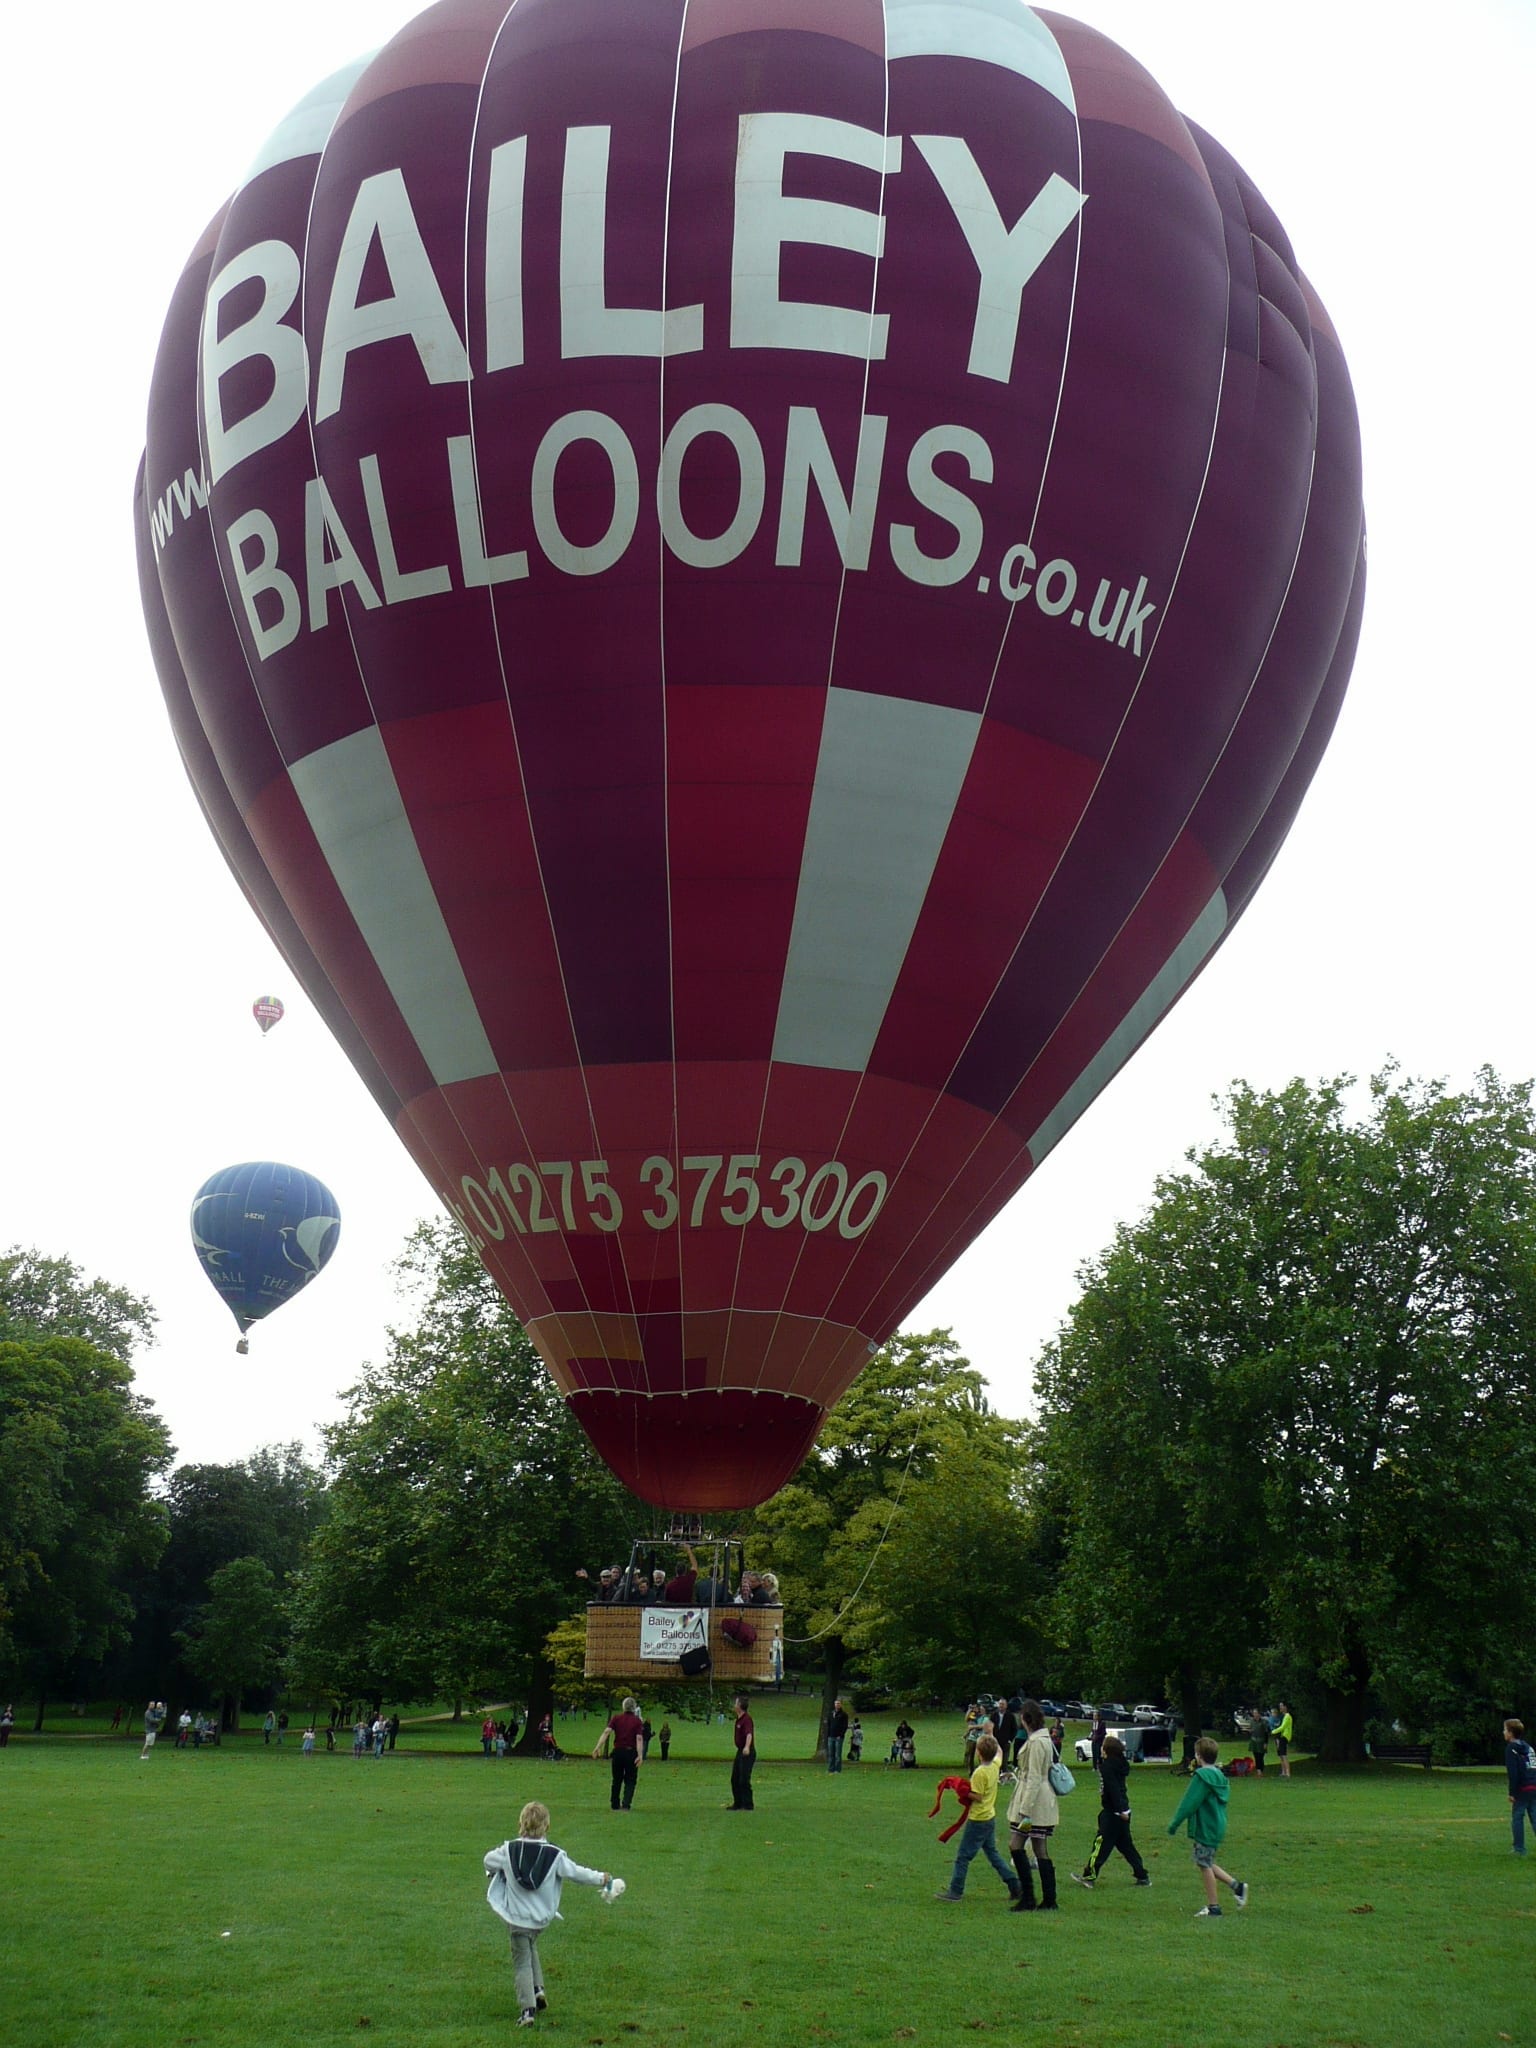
(980, 1832)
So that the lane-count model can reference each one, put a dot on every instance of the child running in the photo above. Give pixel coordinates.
(980, 1831)
(526, 1876)
(1204, 1808)
(1114, 1817)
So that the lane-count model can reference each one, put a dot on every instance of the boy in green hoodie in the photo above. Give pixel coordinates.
(1204, 1807)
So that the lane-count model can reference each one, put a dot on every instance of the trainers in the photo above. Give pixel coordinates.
(525, 2017)
(1077, 1877)
(540, 2001)
(950, 1898)
(1240, 1895)
(1209, 1913)
(1143, 1880)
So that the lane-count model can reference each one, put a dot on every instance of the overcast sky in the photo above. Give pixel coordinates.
(1395, 146)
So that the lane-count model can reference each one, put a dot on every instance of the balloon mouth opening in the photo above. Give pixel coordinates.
(714, 1451)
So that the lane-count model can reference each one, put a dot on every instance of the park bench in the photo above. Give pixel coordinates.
(1401, 1753)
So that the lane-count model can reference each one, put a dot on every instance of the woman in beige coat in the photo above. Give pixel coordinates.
(1033, 1813)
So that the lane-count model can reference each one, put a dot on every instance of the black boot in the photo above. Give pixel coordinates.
(1047, 1884)
(1025, 1902)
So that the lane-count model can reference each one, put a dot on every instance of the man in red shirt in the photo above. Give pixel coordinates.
(679, 1591)
(622, 1735)
(746, 1757)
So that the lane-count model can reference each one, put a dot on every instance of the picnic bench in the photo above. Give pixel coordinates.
(1401, 1753)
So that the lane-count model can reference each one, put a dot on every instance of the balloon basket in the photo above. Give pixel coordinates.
(614, 1646)
(642, 1639)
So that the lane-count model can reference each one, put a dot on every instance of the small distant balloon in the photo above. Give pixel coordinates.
(262, 1232)
(267, 1011)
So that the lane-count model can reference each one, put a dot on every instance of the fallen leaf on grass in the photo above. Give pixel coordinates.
(747, 2004)
(905, 2034)
(1362, 1909)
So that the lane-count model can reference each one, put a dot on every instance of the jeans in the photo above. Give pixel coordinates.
(1521, 1810)
(979, 1837)
(527, 1974)
(834, 1752)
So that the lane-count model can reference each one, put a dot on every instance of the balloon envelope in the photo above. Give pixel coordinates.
(262, 1232)
(749, 592)
(267, 1011)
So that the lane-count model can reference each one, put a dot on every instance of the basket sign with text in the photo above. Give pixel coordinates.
(666, 1632)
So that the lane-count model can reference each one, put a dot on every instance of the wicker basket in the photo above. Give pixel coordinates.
(613, 1646)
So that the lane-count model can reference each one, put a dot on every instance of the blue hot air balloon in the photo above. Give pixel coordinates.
(261, 1233)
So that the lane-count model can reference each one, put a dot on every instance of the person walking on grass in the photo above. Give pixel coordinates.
(267, 1728)
(1204, 1810)
(746, 1756)
(1033, 1812)
(154, 1721)
(665, 1739)
(1520, 1764)
(526, 1877)
(979, 1835)
(1114, 1818)
(624, 1735)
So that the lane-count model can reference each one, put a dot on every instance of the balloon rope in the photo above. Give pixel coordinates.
(858, 1589)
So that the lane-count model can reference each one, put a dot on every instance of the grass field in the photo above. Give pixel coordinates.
(246, 1898)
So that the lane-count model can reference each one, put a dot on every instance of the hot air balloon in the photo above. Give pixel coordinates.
(261, 1233)
(749, 592)
(267, 1011)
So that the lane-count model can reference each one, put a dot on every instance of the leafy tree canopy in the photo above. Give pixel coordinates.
(79, 1451)
(44, 1297)
(1290, 1403)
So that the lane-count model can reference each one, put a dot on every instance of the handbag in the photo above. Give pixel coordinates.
(1062, 1780)
(694, 1663)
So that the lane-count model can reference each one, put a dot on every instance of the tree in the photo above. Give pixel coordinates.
(1317, 1352)
(916, 1399)
(265, 1506)
(462, 1499)
(79, 1451)
(956, 1597)
(44, 1297)
(235, 1640)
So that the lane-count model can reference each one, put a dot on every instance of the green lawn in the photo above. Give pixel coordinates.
(245, 1898)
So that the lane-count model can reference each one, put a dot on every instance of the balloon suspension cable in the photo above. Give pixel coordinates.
(858, 1589)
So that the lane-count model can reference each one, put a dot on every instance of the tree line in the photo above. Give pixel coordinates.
(1280, 1448)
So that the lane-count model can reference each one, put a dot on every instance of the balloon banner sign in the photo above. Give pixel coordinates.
(666, 1632)
(749, 590)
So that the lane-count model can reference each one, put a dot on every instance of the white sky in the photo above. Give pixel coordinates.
(1394, 143)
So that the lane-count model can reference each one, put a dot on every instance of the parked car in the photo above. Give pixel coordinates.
(1074, 1710)
(1142, 1745)
(1148, 1716)
(1113, 1711)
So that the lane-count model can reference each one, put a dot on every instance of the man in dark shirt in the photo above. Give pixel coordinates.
(680, 1588)
(746, 1757)
(623, 1735)
(837, 1728)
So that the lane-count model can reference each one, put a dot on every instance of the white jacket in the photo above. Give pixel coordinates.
(526, 1876)
(1033, 1798)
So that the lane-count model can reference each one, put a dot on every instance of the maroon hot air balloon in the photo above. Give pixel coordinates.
(749, 588)
(267, 1010)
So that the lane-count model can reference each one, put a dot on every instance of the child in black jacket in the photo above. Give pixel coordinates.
(1114, 1818)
